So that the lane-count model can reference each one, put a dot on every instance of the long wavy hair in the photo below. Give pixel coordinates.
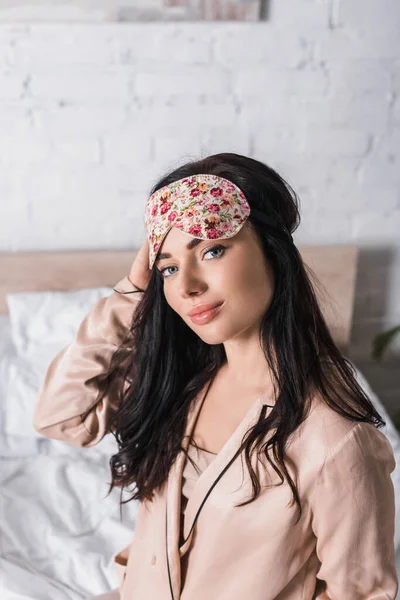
(164, 365)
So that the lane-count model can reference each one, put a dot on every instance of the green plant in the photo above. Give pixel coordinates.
(380, 344)
(382, 341)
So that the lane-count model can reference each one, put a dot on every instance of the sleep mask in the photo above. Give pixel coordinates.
(204, 206)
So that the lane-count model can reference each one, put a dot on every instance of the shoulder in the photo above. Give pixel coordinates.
(327, 436)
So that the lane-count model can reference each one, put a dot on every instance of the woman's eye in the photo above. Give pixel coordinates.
(162, 271)
(213, 249)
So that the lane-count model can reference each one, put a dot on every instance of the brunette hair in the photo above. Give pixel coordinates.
(164, 365)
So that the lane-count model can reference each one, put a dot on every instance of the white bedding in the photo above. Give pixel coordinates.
(59, 532)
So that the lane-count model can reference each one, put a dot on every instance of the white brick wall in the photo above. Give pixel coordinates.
(92, 114)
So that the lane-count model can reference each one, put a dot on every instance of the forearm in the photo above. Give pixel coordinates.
(78, 394)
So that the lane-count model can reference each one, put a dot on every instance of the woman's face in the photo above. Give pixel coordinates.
(231, 271)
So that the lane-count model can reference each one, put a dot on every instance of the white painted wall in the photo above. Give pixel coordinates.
(92, 114)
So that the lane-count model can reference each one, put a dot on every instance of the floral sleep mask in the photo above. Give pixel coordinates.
(205, 206)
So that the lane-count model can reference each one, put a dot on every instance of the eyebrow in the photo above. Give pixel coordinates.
(192, 244)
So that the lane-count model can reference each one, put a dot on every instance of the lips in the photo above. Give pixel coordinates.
(204, 317)
(200, 308)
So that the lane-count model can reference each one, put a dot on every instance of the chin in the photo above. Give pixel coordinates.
(210, 337)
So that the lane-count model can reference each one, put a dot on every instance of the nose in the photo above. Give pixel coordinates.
(190, 281)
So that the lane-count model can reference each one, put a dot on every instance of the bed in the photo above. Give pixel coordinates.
(59, 529)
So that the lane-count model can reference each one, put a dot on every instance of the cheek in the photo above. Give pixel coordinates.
(249, 289)
(244, 277)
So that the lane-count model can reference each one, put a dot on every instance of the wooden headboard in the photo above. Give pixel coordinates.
(334, 266)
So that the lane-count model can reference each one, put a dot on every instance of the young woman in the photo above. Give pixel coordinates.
(255, 455)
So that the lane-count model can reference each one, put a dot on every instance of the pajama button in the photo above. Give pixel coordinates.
(153, 560)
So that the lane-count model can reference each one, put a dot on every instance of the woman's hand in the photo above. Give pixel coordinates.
(140, 272)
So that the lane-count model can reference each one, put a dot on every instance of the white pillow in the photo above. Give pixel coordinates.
(6, 349)
(42, 324)
(49, 320)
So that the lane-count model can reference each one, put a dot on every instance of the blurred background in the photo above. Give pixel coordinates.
(98, 99)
